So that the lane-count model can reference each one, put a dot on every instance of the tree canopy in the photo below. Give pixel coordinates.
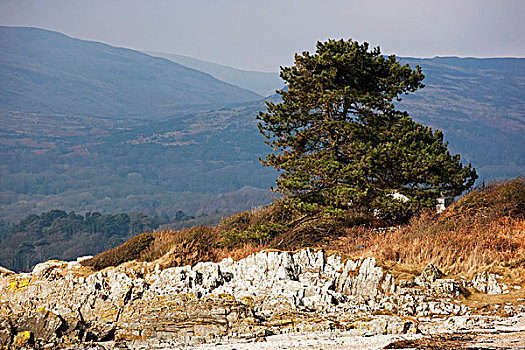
(58, 234)
(340, 143)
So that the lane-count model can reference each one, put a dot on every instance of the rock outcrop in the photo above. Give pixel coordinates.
(488, 283)
(138, 305)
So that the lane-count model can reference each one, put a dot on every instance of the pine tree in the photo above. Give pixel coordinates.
(339, 143)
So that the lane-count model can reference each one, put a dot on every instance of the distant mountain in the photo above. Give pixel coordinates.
(202, 162)
(479, 104)
(47, 72)
(262, 83)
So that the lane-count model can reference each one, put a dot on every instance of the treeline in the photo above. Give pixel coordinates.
(58, 234)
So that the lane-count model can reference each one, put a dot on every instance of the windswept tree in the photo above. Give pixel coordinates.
(339, 143)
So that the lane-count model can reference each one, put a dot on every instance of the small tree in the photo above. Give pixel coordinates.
(339, 142)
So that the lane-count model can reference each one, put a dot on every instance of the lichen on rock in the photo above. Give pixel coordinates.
(139, 305)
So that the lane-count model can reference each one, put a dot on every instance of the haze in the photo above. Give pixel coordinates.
(263, 35)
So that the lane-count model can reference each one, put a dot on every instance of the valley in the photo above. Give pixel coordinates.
(161, 152)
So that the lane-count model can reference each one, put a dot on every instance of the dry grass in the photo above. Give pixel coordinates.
(239, 252)
(458, 247)
(184, 247)
(484, 230)
(128, 251)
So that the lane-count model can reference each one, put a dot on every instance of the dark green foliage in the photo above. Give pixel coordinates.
(128, 251)
(4, 228)
(340, 143)
(282, 225)
(60, 235)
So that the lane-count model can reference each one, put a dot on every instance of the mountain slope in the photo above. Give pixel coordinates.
(197, 162)
(263, 83)
(47, 72)
(479, 104)
(207, 162)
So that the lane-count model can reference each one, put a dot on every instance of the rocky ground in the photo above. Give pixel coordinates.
(271, 299)
(472, 341)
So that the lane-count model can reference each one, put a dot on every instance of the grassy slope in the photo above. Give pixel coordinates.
(485, 229)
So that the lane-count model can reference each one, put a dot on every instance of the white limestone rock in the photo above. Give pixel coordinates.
(5, 272)
(488, 283)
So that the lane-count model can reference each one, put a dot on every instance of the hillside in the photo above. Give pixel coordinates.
(485, 227)
(479, 106)
(47, 72)
(478, 103)
(200, 163)
(207, 161)
(263, 83)
(449, 281)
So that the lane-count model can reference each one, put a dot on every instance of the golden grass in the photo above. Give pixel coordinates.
(128, 251)
(484, 230)
(184, 247)
(456, 246)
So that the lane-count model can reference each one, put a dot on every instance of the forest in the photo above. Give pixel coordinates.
(62, 235)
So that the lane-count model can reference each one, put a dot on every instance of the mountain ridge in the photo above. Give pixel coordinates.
(40, 68)
(206, 161)
(263, 83)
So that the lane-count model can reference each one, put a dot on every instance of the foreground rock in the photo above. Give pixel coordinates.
(138, 305)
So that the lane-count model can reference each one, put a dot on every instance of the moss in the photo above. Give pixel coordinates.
(226, 296)
(24, 339)
(248, 301)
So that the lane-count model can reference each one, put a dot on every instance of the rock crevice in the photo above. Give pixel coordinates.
(269, 292)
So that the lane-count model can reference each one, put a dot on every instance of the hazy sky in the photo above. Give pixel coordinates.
(264, 34)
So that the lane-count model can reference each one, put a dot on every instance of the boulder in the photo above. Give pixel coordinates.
(429, 274)
(5, 272)
(140, 305)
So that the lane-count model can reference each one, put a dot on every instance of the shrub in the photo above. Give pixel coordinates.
(128, 251)
(485, 227)
(256, 226)
(496, 199)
